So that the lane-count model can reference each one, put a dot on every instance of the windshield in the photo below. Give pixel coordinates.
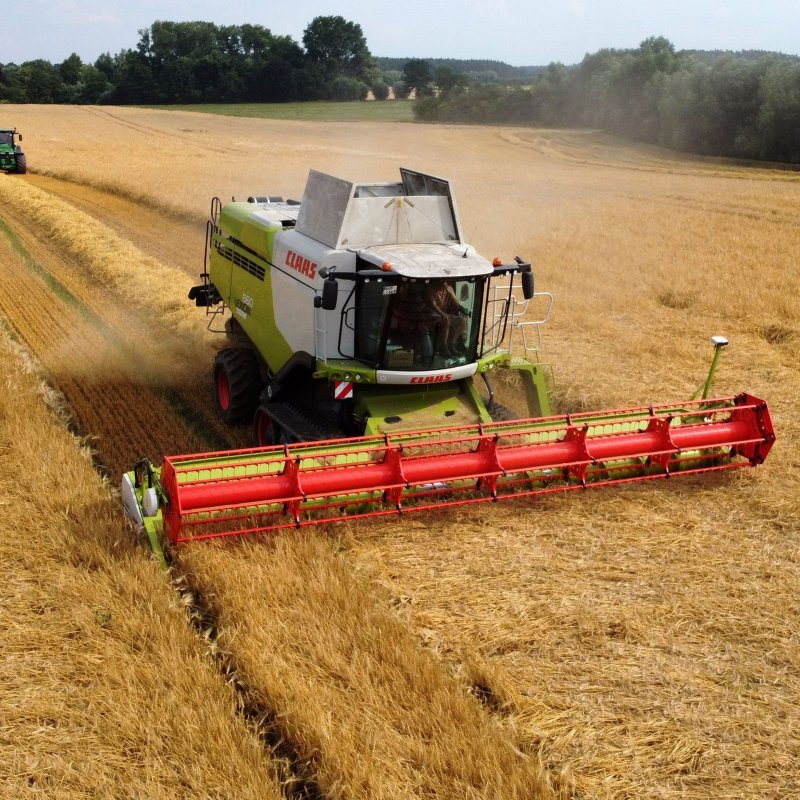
(6, 137)
(418, 325)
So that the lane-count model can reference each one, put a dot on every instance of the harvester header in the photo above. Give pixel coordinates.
(290, 486)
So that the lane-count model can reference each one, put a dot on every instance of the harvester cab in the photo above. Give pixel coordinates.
(357, 322)
(12, 159)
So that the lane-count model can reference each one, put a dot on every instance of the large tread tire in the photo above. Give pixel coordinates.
(21, 164)
(235, 385)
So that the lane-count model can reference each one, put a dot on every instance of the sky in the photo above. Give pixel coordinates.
(519, 32)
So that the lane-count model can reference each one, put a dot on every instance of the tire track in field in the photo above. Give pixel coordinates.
(781, 216)
(591, 148)
(151, 130)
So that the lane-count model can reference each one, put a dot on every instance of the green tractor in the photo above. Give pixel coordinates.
(12, 159)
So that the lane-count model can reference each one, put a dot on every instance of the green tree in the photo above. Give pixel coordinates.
(11, 88)
(337, 48)
(778, 126)
(656, 54)
(182, 57)
(108, 65)
(343, 88)
(449, 81)
(93, 85)
(380, 90)
(70, 69)
(417, 77)
(134, 81)
(273, 68)
(41, 81)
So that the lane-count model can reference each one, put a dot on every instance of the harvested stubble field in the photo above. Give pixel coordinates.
(627, 643)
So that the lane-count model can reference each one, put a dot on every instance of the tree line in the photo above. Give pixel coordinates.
(741, 105)
(200, 62)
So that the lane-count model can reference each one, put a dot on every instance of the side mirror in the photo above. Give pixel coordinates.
(527, 284)
(330, 294)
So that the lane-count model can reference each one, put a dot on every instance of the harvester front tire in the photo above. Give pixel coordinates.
(21, 164)
(235, 385)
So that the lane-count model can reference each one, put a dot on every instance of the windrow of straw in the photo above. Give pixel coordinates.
(102, 257)
(105, 690)
(103, 322)
(176, 239)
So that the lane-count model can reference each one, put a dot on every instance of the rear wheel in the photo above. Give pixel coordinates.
(235, 385)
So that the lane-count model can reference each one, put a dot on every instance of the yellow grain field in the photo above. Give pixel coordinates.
(637, 642)
(104, 689)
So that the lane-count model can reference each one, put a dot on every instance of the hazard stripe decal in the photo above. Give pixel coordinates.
(343, 390)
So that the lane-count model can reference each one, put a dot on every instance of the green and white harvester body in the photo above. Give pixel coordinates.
(362, 333)
(359, 310)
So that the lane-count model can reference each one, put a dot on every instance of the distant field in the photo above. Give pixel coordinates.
(627, 643)
(320, 111)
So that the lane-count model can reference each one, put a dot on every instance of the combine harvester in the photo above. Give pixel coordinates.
(359, 321)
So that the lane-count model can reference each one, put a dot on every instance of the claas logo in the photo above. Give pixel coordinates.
(304, 266)
(432, 378)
